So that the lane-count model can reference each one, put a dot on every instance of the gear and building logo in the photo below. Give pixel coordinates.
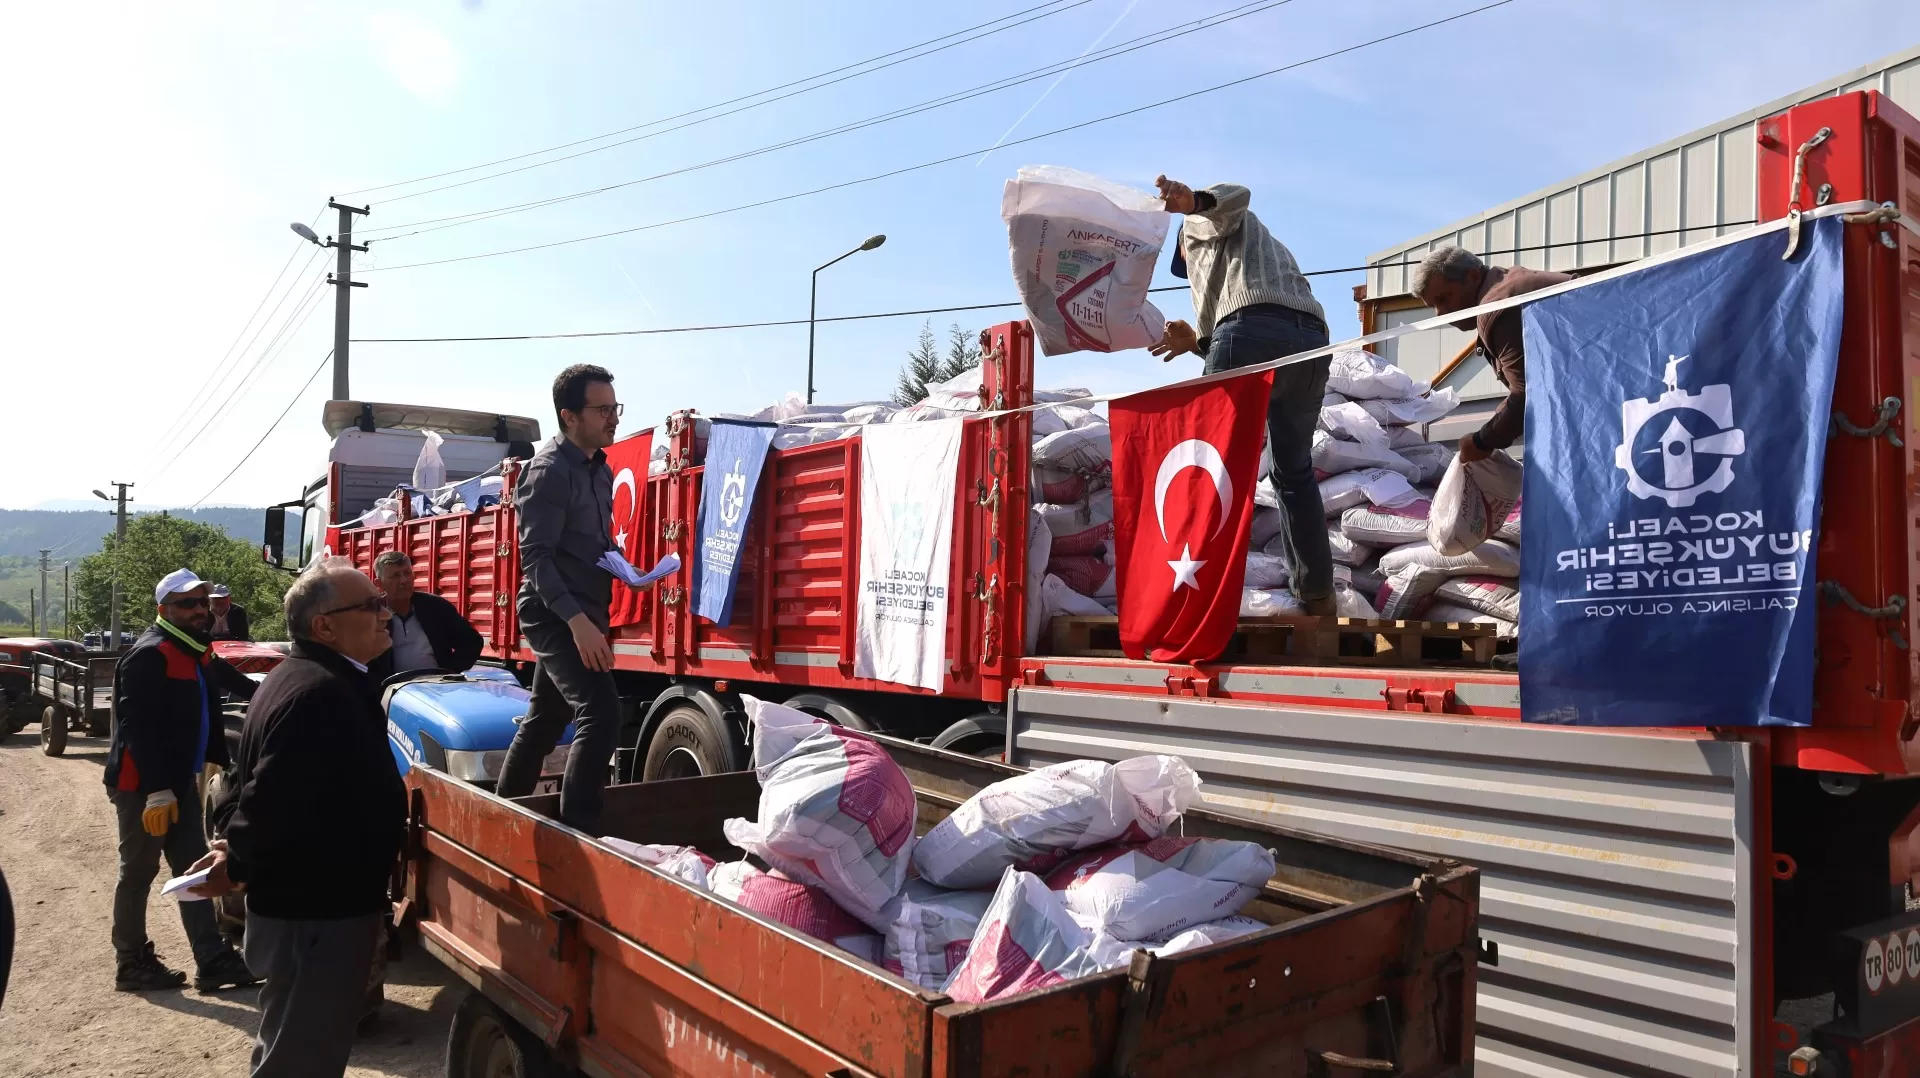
(1693, 434)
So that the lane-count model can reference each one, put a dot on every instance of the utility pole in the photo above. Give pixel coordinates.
(33, 613)
(66, 599)
(46, 597)
(342, 279)
(119, 554)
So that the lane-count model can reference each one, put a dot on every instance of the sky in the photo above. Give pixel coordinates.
(157, 154)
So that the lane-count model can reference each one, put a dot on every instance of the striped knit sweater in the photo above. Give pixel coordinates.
(1233, 261)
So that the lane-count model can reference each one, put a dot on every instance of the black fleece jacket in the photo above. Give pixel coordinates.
(316, 812)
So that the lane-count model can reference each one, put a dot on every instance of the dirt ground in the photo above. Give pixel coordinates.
(62, 1016)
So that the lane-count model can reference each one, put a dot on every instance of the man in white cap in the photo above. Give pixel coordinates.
(229, 618)
(165, 731)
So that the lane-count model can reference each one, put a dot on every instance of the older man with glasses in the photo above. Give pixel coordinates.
(312, 825)
(165, 730)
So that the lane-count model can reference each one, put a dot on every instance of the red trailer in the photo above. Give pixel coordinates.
(581, 955)
(1659, 896)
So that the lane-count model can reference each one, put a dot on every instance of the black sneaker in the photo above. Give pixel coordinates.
(147, 974)
(227, 971)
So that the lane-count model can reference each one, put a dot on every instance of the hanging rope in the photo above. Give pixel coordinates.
(1889, 408)
(1894, 610)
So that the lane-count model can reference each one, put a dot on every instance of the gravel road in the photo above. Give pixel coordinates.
(62, 1016)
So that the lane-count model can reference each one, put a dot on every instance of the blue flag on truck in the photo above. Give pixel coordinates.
(735, 454)
(1676, 430)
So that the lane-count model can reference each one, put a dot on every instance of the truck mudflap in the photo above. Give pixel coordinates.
(1891, 1053)
(1876, 980)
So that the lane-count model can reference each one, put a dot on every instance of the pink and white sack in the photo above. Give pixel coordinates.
(835, 811)
(1083, 251)
(1084, 527)
(1025, 941)
(1491, 558)
(1510, 531)
(1033, 821)
(680, 862)
(1162, 886)
(1473, 502)
(1488, 595)
(1379, 525)
(931, 930)
(796, 905)
(1224, 930)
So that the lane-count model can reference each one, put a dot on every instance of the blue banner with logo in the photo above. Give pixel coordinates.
(735, 453)
(1676, 430)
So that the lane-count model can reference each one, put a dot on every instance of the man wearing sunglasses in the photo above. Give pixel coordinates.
(312, 824)
(166, 728)
(565, 503)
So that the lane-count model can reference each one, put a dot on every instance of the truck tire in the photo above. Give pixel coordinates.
(983, 735)
(485, 1043)
(688, 743)
(53, 731)
(826, 707)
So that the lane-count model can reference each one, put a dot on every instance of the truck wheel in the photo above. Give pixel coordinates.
(982, 735)
(53, 731)
(689, 743)
(826, 707)
(485, 1043)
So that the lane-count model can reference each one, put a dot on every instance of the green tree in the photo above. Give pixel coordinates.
(157, 545)
(926, 366)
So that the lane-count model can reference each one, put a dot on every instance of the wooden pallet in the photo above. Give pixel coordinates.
(1306, 641)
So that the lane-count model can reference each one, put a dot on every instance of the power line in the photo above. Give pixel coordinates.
(990, 306)
(1055, 4)
(304, 310)
(184, 418)
(248, 455)
(1057, 68)
(946, 160)
(198, 402)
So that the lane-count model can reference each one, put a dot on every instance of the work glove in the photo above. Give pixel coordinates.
(162, 812)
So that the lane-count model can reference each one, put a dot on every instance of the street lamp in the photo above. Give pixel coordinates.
(813, 303)
(306, 233)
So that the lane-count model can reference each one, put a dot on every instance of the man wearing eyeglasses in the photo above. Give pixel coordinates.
(565, 503)
(312, 824)
(166, 728)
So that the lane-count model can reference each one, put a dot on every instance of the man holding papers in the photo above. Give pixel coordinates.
(565, 499)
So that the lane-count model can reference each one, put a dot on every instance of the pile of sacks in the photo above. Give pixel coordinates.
(1050, 875)
(1416, 552)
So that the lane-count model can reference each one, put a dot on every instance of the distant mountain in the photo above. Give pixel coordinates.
(74, 534)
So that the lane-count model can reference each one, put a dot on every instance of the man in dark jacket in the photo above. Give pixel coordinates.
(428, 632)
(565, 502)
(229, 618)
(313, 825)
(166, 728)
(1454, 279)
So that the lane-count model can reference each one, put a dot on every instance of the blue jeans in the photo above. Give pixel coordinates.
(1292, 414)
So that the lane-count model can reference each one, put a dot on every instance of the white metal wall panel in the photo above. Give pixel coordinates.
(1617, 868)
(1702, 183)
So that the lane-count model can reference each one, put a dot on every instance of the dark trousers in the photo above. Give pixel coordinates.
(1292, 414)
(314, 994)
(564, 691)
(140, 854)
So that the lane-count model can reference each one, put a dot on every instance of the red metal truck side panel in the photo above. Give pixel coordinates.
(1204, 1018)
(1869, 535)
(466, 558)
(882, 1025)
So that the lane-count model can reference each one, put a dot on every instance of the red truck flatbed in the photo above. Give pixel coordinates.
(622, 970)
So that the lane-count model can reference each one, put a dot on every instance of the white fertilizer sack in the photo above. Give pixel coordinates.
(1083, 252)
(1331, 456)
(1489, 595)
(681, 862)
(796, 905)
(1026, 941)
(1377, 485)
(1491, 558)
(1034, 820)
(1379, 526)
(931, 930)
(1162, 886)
(1358, 373)
(1473, 502)
(835, 811)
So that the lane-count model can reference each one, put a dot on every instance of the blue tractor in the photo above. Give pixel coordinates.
(461, 724)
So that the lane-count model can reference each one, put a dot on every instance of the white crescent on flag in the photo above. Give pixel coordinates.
(633, 499)
(1192, 453)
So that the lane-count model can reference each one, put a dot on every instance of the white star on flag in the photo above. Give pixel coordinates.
(620, 539)
(1186, 570)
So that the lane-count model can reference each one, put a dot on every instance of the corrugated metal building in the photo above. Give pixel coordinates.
(1682, 191)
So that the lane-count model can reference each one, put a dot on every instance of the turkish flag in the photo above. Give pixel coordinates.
(628, 459)
(1185, 460)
